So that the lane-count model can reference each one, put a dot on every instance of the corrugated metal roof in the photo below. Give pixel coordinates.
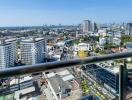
(67, 78)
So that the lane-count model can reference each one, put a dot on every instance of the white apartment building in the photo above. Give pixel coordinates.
(7, 54)
(32, 51)
(102, 41)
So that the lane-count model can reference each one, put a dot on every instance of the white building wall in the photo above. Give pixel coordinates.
(102, 41)
(26, 53)
(7, 56)
(39, 51)
(33, 52)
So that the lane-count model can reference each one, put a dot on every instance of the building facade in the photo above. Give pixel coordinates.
(95, 27)
(32, 51)
(87, 26)
(7, 54)
(82, 50)
(102, 41)
(116, 41)
(129, 29)
(105, 76)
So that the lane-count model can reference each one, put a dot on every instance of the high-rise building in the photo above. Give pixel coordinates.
(32, 51)
(95, 27)
(129, 29)
(87, 26)
(7, 54)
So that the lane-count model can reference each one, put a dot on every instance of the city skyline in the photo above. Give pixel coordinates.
(35, 13)
(65, 49)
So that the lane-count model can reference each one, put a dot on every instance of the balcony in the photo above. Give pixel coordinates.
(27, 76)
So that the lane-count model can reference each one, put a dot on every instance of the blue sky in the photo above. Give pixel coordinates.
(39, 12)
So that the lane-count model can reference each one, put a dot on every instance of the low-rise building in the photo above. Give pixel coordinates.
(116, 41)
(61, 83)
(102, 41)
(23, 94)
(82, 49)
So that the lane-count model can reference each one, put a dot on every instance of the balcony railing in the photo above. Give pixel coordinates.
(22, 70)
(60, 64)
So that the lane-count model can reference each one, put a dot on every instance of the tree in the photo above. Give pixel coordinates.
(126, 38)
(97, 50)
(108, 45)
(76, 41)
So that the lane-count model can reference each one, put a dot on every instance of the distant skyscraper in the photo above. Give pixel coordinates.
(32, 51)
(87, 26)
(7, 54)
(129, 29)
(95, 27)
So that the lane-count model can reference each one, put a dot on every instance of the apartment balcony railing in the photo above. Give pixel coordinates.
(22, 70)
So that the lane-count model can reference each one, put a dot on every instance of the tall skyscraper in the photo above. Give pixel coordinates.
(95, 27)
(7, 54)
(32, 51)
(129, 29)
(87, 26)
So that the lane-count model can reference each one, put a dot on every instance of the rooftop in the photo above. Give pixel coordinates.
(32, 40)
(109, 67)
(58, 84)
(24, 92)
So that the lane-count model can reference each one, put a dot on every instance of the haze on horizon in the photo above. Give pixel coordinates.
(67, 12)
